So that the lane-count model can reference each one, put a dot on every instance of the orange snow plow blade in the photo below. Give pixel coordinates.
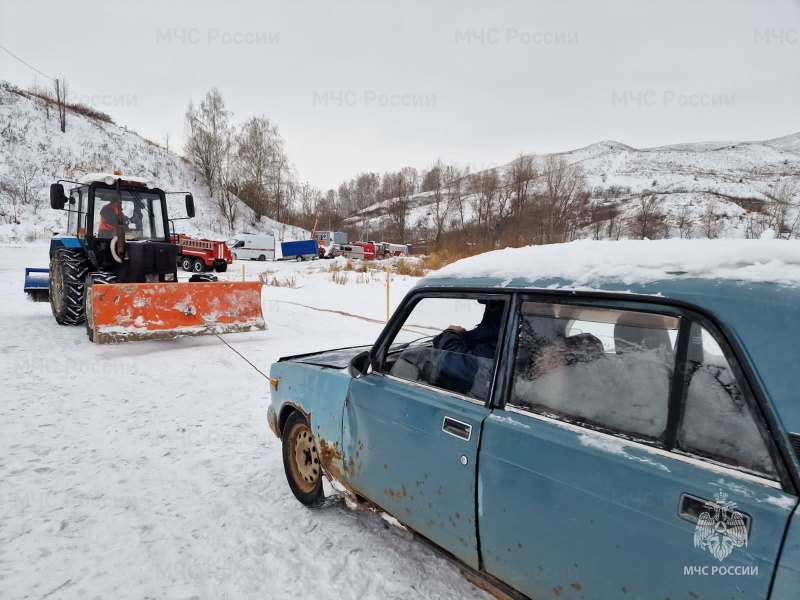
(127, 312)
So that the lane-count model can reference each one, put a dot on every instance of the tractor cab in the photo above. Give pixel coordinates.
(122, 224)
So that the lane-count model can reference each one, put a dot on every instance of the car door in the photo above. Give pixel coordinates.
(611, 473)
(411, 435)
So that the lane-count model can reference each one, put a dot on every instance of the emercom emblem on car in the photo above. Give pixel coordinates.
(720, 529)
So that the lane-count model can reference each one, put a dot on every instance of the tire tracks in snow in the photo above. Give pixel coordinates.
(330, 310)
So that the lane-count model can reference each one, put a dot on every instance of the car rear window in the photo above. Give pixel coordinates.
(610, 369)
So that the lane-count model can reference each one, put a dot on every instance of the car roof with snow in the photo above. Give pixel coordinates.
(750, 287)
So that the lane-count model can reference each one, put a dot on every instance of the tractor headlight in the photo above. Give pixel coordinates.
(109, 180)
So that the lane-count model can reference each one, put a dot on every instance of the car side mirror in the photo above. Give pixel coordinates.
(190, 205)
(58, 198)
(359, 365)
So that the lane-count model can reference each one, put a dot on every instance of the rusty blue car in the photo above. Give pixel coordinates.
(585, 420)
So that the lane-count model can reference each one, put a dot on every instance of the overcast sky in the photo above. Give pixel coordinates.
(375, 85)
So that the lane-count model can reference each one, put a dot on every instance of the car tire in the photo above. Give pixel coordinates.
(298, 258)
(262, 257)
(301, 461)
(198, 266)
(68, 270)
(187, 263)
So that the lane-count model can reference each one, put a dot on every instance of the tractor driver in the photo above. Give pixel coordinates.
(111, 216)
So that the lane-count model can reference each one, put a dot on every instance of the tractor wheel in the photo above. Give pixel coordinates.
(301, 461)
(186, 263)
(93, 279)
(221, 267)
(68, 269)
(198, 266)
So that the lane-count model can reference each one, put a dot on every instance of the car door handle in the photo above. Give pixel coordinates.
(692, 509)
(456, 428)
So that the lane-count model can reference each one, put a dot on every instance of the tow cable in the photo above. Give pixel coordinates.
(242, 357)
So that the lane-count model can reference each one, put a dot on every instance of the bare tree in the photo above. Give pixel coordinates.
(519, 177)
(558, 206)
(18, 189)
(711, 220)
(442, 200)
(310, 206)
(399, 205)
(783, 208)
(207, 137)
(484, 188)
(61, 89)
(684, 222)
(649, 221)
(228, 183)
(454, 178)
(614, 231)
(262, 162)
(598, 215)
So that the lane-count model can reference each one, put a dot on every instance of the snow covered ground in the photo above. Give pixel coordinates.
(147, 470)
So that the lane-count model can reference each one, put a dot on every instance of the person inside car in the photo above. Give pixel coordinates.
(468, 355)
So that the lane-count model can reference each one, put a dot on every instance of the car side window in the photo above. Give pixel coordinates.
(718, 420)
(449, 343)
(610, 369)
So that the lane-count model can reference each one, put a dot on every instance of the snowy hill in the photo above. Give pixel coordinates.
(730, 177)
(33, 150)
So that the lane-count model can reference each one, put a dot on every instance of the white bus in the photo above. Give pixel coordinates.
(252, 246)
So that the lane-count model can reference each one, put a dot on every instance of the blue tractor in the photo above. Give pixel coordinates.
(116, 268)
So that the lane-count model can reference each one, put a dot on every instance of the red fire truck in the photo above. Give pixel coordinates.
(200, 255)
(372, 250)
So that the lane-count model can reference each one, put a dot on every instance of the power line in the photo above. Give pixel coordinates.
(26, 64)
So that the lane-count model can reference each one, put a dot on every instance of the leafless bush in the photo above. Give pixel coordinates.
(711, 220)
(288, 282)
(339, 277)
(684, 224)
(649, 221)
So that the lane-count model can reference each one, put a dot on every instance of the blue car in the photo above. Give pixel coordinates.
(588, 420)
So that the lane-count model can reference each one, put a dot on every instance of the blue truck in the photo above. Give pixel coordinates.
(300, 250)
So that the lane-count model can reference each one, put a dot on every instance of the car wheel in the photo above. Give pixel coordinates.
(186, 263)
(262, 257)
(301, 461)
(198, 266)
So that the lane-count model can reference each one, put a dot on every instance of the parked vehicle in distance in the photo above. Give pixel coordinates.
(622, 422)
(353, 251)
(369, 249)
(328, 240)
(397, 250)
(201, 255)
(334, 251)
(252, 246)
(300, 250)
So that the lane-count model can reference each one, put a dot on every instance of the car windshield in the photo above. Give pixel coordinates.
(141, 216)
